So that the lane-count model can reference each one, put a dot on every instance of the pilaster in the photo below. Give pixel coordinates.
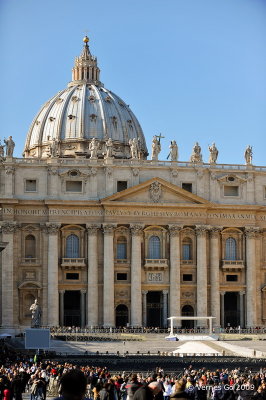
(108, 280)
(202, 279)
(174, 232)
(136, 314)
(8, 230)
(93, 295)
(52, 230)
(215, 273)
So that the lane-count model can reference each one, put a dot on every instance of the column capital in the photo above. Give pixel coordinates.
(242, 292)
(9, 227)
(61, 291)
(83, 291)
(222, 293)
(92, 229)
(201, 229)
(215, 231)
(108, 229)
(174, 230)
(144, 292)
(251, 231)
(51, 228)
(165, 292)
(136, 229)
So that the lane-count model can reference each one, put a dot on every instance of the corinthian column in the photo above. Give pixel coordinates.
(136, 311)
(8, 230)
(53, 296)
(174, 231)
(215, 276)
(251, 233)
(108, 276)
(92, 296)
(202, 287)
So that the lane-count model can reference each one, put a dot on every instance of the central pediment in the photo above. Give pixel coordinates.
(155, 190)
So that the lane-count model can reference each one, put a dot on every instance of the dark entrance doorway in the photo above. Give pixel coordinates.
(155, 309)
(231, 309)
(72, 308)
(187, 311)
(121, 315)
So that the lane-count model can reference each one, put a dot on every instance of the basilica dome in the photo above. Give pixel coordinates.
(66, 124)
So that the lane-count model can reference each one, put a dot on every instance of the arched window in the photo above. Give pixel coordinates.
(154, 247)
(72, 246)
(121, 248)
(230, 249)
(30, 246)
(187, 249)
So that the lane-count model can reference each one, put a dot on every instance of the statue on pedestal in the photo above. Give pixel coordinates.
(155, 147)
(10, 145)
(196, 155)
(133, 148)
(248, 155)
(173, 151)
(213, 154)
(54, 148)
(93, 147)
(36, 314)
(2, 151)
(109, 148)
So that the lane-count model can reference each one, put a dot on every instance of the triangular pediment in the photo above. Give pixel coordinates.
(156, 191)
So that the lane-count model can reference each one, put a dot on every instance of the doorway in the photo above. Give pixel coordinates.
(155, 309)
(231, 309)
(72, 314)
(121, 315)
(187, 311)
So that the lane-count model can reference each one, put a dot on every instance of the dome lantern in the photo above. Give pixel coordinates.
(85, 68)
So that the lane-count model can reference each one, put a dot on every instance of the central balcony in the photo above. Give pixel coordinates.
(73, 263)
(232, 265)
(160, 264)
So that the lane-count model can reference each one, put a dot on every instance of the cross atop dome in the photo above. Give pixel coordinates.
(85, 68)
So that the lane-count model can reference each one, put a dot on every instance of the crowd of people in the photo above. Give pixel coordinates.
(73, 382)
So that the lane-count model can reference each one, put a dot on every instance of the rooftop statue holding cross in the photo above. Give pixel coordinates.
(156, 146)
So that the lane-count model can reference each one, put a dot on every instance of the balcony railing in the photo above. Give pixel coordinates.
(155, 264)
(73, 263)
(232, 265)
(187, 262)
(30, 261)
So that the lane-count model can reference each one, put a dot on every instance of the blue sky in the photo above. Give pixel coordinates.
(194, 70)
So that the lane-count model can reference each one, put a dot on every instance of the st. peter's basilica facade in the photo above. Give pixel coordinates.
(103, 236)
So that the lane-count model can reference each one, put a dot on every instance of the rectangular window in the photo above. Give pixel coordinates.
(187, 251)
(231, 190)
(74, 186)
(72, 275)
(121, 185)
(120, 276)
(187, 278)
(30, 185)
(187, 187)
(231, 278)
